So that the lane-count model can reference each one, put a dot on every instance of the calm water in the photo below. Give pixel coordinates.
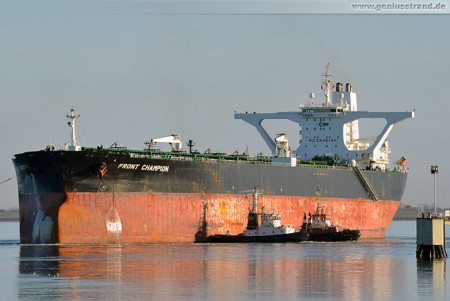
(371, 270)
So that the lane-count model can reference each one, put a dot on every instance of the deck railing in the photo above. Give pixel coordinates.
(215, 158)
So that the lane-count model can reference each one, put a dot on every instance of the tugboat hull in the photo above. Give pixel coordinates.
(281, 238)
(344, 235)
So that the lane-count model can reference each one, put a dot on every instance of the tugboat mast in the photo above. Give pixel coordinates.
(73, 145)
(255, 199)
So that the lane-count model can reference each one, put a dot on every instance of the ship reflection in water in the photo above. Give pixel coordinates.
(354, 270)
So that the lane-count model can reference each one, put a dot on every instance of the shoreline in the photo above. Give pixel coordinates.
(9, 216)
(9, 219)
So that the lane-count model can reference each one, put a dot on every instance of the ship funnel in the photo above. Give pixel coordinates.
(348, 88)
(338, 87)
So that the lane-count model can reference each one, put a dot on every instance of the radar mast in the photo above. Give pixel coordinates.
(73, 144)
(326, 86)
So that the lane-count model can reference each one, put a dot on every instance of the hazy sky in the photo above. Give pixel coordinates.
(134, 73)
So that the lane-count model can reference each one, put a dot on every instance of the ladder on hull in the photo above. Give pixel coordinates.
(373, 194)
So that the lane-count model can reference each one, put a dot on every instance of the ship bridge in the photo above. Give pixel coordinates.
(332, 128)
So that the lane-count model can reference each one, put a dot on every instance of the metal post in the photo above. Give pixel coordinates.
(434, 171)
(434, 193)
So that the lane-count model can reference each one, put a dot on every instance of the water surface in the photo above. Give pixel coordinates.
(384, 269)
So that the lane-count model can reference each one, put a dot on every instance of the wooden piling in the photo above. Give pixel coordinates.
(430, 237)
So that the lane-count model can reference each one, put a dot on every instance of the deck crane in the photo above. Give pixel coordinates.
(174, 141)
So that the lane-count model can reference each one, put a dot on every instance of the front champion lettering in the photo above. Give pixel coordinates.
(160, 168)
(157, 168)
(128, 166)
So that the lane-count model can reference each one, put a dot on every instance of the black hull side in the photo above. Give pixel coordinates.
(79, 172)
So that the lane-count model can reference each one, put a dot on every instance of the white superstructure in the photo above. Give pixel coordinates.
(331, 128)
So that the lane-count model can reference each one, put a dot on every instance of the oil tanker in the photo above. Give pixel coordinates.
(102, 195)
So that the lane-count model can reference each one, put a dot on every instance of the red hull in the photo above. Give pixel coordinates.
(163, 217)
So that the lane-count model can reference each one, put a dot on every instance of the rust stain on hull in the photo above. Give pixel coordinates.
(171, 217)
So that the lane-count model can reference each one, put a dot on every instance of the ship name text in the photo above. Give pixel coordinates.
(144, 167)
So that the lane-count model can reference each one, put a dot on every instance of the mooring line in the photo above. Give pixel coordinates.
(6, 180)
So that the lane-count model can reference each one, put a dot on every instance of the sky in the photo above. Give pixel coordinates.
(137, 70)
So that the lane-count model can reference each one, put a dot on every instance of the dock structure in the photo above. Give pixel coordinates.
(430, 237)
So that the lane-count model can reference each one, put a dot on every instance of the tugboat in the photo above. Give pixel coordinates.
(320, 228)
(270, 230)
